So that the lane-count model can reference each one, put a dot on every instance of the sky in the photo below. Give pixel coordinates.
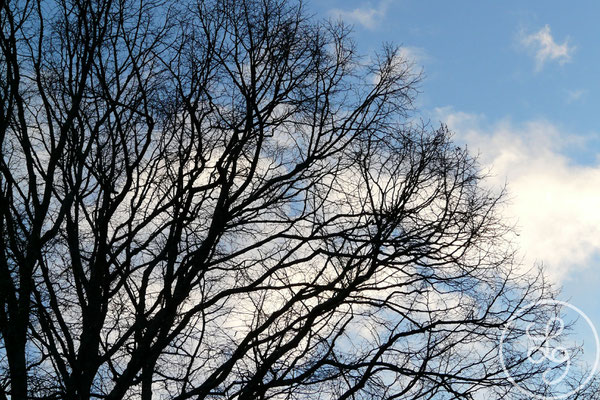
(517, 82)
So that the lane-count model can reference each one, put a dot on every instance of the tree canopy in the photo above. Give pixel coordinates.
(222, 199)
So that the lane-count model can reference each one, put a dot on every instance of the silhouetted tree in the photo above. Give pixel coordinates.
(221, 199)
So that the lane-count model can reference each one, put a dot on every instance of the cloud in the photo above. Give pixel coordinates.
(414, 55)
(545, 48)
(368, 17)
(575, 95)
(553, 200)
(409, 59)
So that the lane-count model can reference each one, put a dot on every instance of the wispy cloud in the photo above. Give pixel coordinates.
(575, 95)
(545, 48)
(415, 55)
(552, 199)
(408, 58)
(367, 16)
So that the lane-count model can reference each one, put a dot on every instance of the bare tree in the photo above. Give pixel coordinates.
(222, 199)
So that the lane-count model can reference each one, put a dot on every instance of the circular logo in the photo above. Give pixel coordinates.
(542, 345)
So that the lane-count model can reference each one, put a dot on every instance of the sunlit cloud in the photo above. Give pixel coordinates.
(553, 201)
(367, 16)
(545, 49)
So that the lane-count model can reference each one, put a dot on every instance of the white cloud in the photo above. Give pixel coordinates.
(410, 59)
(555, 202)
(545, 48)
(368, 16)
(414, 55)
(575, 95)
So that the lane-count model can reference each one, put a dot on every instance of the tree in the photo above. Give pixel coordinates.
(222, 199)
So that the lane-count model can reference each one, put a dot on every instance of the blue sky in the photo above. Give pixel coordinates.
(518, 83)
(475, 58)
